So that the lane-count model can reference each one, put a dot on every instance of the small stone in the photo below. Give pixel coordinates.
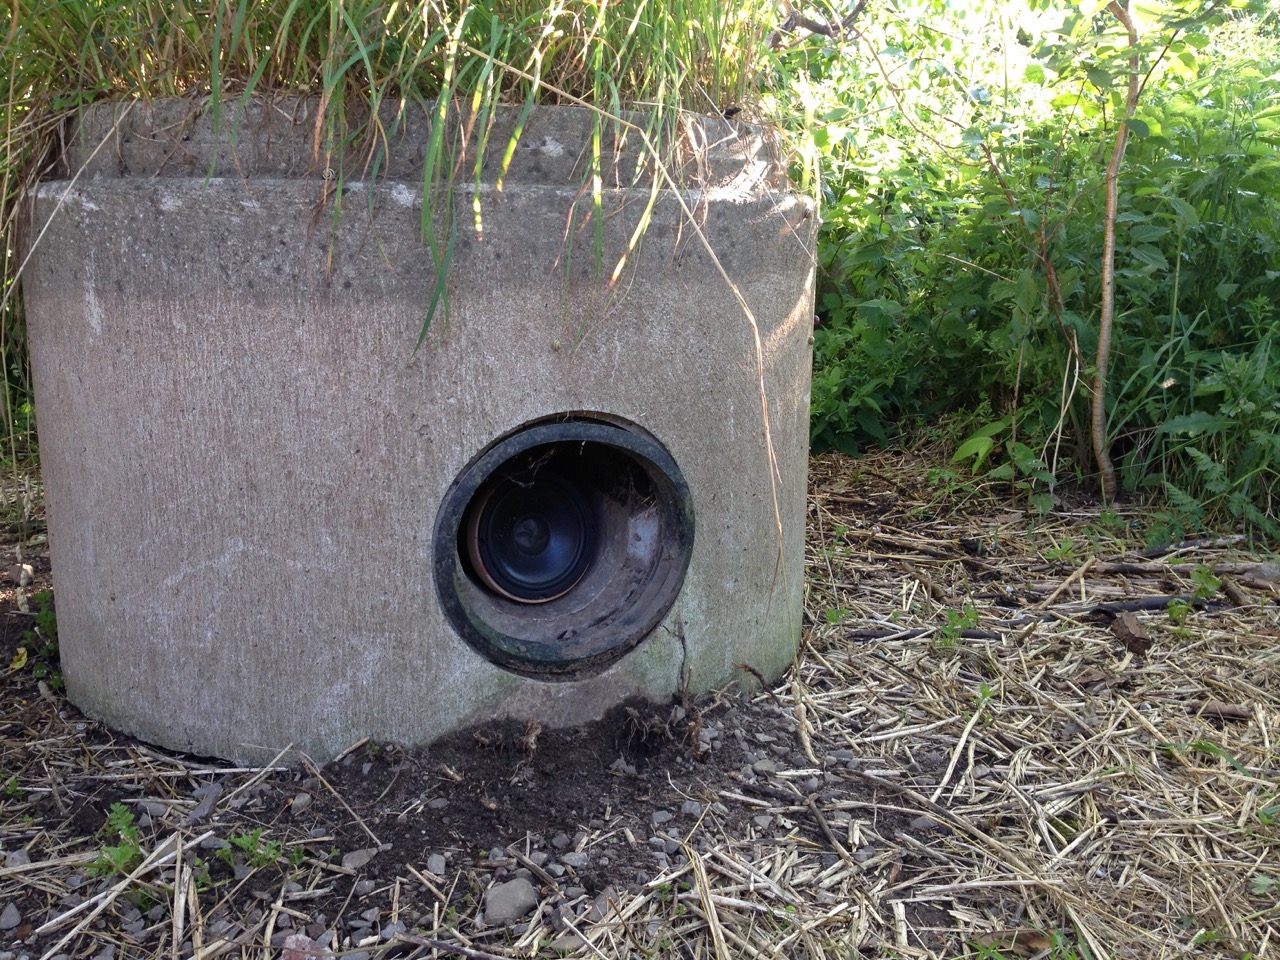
(153, 807)
(106, 953)
(565, 943)
(538, 857)
(764, 821)
(10, 917)
(765, 766)
(691, 808)
(17, 858)
(357, 858)
(660, 817)
(392, 930)
(865, 853)
(439, 803)
(371, 915)
(300, 802)
(208, 795)
(555, 869)
(602, 904)
(575, 860)
(561, 841)
(435, 865)
(505, 903)
(363, 888)
(671, 846)
(298, 947)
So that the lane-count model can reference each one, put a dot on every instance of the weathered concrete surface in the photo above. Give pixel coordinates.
(244, 456)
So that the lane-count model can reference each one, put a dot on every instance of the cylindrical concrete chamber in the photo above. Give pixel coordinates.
(275, 522)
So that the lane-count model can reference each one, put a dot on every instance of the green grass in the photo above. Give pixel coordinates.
(369, 61)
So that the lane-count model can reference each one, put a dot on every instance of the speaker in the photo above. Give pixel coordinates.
(277, 520)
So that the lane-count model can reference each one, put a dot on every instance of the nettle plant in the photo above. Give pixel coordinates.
(369, 64)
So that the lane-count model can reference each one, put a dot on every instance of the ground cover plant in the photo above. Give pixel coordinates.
(1009, 735)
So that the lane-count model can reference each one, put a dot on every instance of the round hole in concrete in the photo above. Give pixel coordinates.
(563, 545)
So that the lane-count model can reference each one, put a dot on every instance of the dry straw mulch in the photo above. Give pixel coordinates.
(1014, 735)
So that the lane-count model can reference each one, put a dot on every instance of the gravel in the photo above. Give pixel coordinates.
(507, 902)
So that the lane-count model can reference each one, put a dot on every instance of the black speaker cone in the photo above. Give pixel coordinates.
(530, 536)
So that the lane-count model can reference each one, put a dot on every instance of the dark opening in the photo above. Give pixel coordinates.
(562, 545)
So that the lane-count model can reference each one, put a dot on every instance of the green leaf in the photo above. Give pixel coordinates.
(1098, 77)
(1138, 127)
(1194, 424)
(977, 447)
(1149, 256)
(1187, 215)
(1261, 885)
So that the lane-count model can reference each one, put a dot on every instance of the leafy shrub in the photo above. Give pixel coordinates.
(960, 254)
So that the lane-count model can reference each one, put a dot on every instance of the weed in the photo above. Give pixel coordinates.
(251, 849)
(1204, 584)
(1178, 611)
(1063, 552)
(957, 621)
(1269, 815)
(837, 615)
(39, 650)
(126, 855)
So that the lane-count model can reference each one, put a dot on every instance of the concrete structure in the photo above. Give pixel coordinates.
(246, 461)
